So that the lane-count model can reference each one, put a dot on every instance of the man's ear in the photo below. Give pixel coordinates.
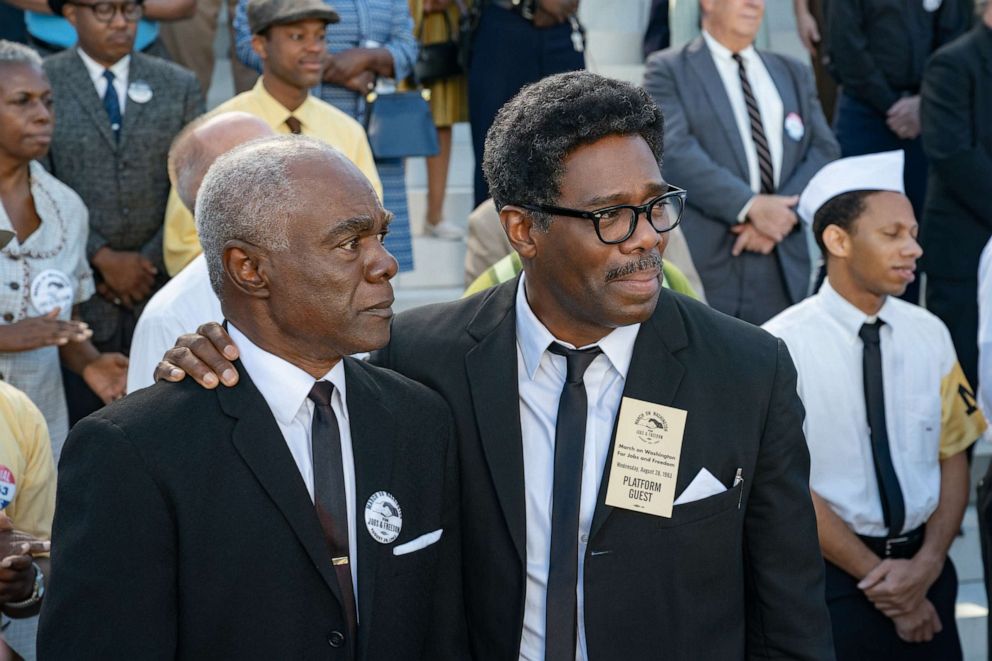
(258, 45)
(69, 12)
(519, 227)
(837, 241)
(245, 266)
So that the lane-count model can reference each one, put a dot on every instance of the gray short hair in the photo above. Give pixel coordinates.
(247, 195)
(12, 52)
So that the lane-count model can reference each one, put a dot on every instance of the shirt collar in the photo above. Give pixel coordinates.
(275, 113)
(120, 68)
(847, 314)
(533, 338)
(722, 52)
(284, 386)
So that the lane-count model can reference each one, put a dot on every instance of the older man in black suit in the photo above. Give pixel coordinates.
(957, 219)
(310, 512)
(116, 113)
(701, 544)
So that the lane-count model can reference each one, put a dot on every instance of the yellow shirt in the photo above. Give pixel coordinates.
(319, 120)
(27, 471)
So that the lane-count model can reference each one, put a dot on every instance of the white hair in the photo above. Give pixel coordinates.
(248, 195)
(14, 53)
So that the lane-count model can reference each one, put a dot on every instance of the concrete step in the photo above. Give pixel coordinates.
(972, 605)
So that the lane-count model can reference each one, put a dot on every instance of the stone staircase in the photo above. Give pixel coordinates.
(614, 34)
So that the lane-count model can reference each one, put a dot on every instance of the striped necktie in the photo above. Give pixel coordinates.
(757, 130)
(112, 104)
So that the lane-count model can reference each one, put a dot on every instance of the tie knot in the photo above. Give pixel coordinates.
(295, 125)
(321, 393)
(738, 59)
(577, 360)
(869, 333)
(109, 75)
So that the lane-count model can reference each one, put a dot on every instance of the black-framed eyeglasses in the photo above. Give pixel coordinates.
(616, 224)
(105, 11)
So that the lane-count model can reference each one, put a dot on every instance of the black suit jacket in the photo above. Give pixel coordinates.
(956, 109)
(737, 575)
(183, 530)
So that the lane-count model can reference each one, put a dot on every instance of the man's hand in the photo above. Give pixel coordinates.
(903, 118)
(362, 83)
(897, 587)
(205, 355)
(129, 275)
(773, 216)
(750, 239)
(45, 331)
(920, 625)
(340, 68)
(553, 12)
(809, 33)
(16, 576)
(107, 376)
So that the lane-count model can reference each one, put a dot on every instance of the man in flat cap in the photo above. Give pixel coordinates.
(889, 415)
(288, 37)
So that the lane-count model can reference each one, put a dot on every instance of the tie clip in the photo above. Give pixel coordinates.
(339, 561)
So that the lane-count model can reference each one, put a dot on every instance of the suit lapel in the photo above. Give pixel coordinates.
(709, 79)
(492, 379)
(654, 376)
(373, 440)
(258, 440)
(79, 82)
(132, 110)
(785, 84)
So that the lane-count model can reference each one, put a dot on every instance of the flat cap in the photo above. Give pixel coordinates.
(263, 14)
(874, 172)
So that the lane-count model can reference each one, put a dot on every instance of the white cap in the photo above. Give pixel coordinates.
(875, 172)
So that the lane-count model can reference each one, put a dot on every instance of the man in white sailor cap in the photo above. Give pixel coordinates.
(889, 417)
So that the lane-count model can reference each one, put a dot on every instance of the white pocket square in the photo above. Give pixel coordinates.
(702, 486)
(419, 543)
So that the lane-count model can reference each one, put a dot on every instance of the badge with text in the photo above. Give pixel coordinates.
(8, 487)
(139, 91)
(51, 289)
(645, 461)
(383, 517)
(794, 127)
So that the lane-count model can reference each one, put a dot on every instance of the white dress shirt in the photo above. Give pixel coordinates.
(985, 330)
(917, 356)
(769, 103)
(185, 302)
(540, 379)
(285, 388)
(121, 69)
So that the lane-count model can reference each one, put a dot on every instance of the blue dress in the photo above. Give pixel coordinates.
(389, 23)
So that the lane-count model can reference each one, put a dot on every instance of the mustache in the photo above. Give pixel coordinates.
(645, 263)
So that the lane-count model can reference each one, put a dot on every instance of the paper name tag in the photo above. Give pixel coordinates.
(645, 463)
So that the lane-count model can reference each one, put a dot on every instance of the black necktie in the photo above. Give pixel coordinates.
(329, 495)
(893, 507)
(112, 104)
(295, 125)
(563, 569)
(757, 130)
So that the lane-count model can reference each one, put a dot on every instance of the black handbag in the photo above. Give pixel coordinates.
(400, 125)
(438, 61)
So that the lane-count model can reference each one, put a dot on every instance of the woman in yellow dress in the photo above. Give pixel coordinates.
(449, 104)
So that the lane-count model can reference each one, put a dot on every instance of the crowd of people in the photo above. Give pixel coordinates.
(712, 390)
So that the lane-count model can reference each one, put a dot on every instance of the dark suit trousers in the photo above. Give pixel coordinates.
(863, 633)
(508, 52)
(862, 130)
(79, 398)
(956, 303)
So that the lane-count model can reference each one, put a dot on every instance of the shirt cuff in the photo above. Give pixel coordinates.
(742, 215)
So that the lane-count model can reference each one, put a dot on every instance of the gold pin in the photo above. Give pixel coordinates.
(339, 561)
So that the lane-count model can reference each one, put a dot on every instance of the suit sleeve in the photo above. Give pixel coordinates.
(850, 60)
(112, 590)
(948, 121)
(823, 147)
(787, 614)
(691, 167)
(449, 640)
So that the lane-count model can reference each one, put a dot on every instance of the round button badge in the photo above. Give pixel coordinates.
(383, 517)
(51, 289)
